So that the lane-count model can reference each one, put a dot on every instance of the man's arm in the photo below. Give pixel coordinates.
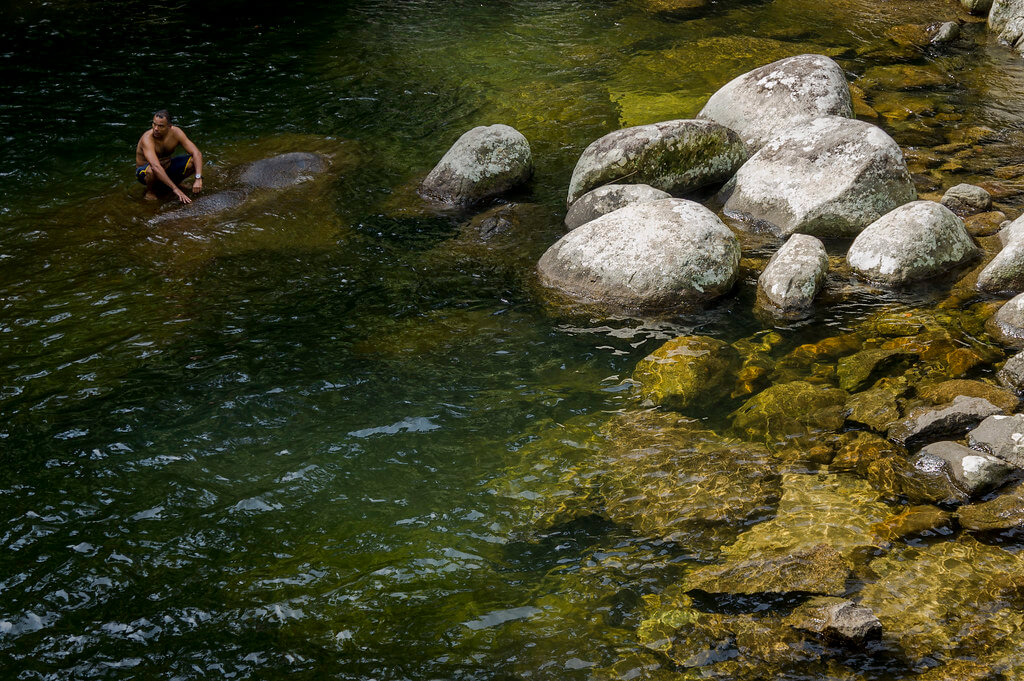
(149, 151)
(197, 159)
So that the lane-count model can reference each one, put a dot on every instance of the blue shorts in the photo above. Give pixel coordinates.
(178, 170)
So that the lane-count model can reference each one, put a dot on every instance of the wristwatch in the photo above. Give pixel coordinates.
(199, 177)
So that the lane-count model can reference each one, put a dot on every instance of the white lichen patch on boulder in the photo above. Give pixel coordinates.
(793, 276)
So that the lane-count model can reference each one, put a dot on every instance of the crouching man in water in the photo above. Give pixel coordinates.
(154, 165)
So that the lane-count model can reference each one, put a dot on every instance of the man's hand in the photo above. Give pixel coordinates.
(197, 186)
(182, 196)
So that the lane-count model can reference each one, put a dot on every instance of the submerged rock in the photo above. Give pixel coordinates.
(791, 413)
(608, 198)
(284, 170)
(793, 276)
(647, 256)
(829, 177)
(484, 162)
(913, 242)
(818, 569)
(772, 99)
(836, 618)
(946, 391)
(942, 600)
(1005, 512)
(204, 206)
(675, 156)
(879, 407)
(863, 368)
(687, 371)
(975, 471)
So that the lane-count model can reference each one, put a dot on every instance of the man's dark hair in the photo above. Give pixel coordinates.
(163, 113)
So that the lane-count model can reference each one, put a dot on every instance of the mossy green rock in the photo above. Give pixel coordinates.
(791, 413)
(856, 371)
(1004, 512)
(947, 599)
(687, 371)
(819, 569)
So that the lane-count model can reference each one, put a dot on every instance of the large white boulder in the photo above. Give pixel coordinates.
(1005, 273)
(1007, 19)
(829, 177)
(916, 241)
(645, 257)
(484, 162)
(674, 156)
(771, 99)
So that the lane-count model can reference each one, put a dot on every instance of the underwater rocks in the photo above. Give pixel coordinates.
(484, 162)
(916, 241)
(793, 276)
(829, 177)
(647, 256)
(772, 99)
(686, 371)
(1005, 512)
(836, 618)
(818, 569)
(675, 156)
(608, 198)
(204, 206)
(792, 413)
(284, 170)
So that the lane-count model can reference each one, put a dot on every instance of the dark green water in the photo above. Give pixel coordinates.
(267, 445)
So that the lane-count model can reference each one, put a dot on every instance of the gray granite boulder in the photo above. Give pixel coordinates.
(945, 32)
(604, 200)
(284, 170)
(1011, 375)
(646, 256)
(967, 199)
(1007, 325)
(793, 276)
(772, 99)
(913, 242)
(1001, 436)
(1006, 18)
(674, 156)
(1005, 272)
(975, 471)
(484, 162)
(931, 423)
(1011, 231)
(828, 177)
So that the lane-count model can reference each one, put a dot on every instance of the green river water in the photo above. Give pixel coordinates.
(327, 435)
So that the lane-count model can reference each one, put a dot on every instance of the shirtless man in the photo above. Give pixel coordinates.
(155, 165)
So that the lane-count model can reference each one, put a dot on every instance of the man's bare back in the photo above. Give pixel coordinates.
(155, 165)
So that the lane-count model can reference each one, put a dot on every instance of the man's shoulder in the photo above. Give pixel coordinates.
(146, 137)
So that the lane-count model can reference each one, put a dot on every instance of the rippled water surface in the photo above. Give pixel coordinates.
(278, 441)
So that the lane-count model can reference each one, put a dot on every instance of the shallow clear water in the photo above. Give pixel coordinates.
(270, 444)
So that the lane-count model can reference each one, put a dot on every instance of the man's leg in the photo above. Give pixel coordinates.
(146, 176)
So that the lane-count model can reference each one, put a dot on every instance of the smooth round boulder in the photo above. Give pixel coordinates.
(604, 200)
(1007, 325)
(687, 371)
(771, 99)
(1005, 272)
(916, 241)
(967, 199)
(793, 276)
(645, 257)
(978, 7)
(1006, 18)
(829, 177)
(485, 162)
(675, 156)
(284, 170)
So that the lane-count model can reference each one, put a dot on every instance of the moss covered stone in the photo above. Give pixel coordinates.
(687, 371)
